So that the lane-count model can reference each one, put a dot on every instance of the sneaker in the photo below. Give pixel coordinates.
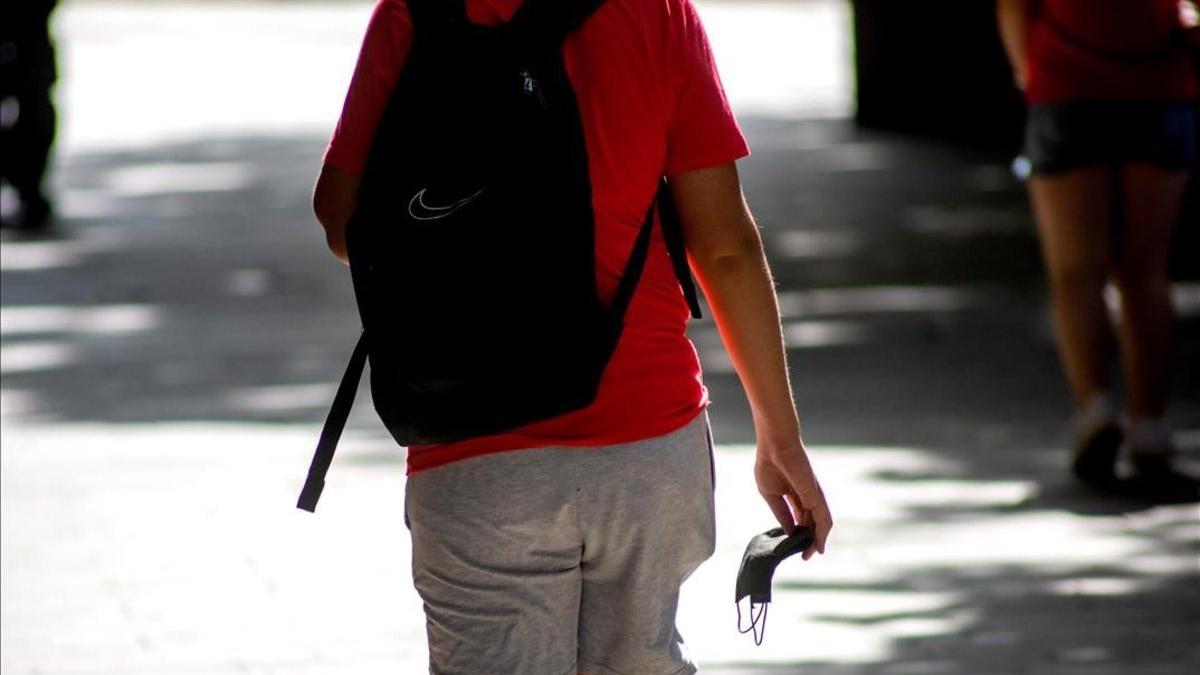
(1094, 457)
(35, 215)
(1155, 478)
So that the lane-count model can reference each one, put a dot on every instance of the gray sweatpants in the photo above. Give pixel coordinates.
(554, 560)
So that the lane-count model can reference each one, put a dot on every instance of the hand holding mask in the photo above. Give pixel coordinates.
(763, 554)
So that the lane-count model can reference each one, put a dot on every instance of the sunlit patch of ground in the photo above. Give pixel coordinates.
(176, 547)
(922, 550)
(188, 68)
(147, 516)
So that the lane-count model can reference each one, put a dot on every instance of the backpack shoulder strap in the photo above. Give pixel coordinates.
(673, 238)
(334, 423)
(428, 13)
(548, 22)
(668, 219)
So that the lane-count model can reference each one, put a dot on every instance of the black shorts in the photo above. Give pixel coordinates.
(1062, 136)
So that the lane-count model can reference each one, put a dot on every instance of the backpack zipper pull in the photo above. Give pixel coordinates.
(531, 87)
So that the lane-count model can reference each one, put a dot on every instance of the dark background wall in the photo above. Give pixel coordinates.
(935, 68)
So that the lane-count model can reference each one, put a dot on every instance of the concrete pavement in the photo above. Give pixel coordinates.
(168, 355)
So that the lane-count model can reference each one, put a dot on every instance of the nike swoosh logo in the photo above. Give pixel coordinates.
(419, 210)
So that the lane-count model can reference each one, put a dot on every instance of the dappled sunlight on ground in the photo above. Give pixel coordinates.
(169, 351)
(173, 547)
(178, 545)
(168, 360)
(930, 557)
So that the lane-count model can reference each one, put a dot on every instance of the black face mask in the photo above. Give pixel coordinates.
(764, 552)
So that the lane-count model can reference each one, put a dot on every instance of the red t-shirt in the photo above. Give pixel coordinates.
(1107, 49)
(652, 105)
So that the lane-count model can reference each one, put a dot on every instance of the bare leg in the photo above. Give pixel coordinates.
(1151, 200)
(1073, 211)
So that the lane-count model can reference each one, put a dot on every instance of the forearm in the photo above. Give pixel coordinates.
(1189, 19)
(335, 238)
(1011, 16)
(741, 294)
(334, 199)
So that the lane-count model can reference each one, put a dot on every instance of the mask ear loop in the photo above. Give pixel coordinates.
(754, 620)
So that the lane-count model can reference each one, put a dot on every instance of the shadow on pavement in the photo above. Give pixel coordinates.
(187, 282)
(190, 283)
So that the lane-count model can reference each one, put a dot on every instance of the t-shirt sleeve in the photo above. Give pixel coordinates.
(384, 50)
(703, 131)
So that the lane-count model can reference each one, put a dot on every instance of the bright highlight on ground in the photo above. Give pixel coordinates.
(176, 546)
(283, 68)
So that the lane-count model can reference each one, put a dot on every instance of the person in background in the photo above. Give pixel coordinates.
(27, 118)
(1110, 137)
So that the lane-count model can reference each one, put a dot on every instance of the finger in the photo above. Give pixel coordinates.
(817, 546)
(803, 514)
(819, 524)
(823, 524)
(806, 490)
(796, 506)
(782, 513)
(818, 510)
(804, 519)
(807, 521)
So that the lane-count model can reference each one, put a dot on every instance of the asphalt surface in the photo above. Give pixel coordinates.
(168, 353)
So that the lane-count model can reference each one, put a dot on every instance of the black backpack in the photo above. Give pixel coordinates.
(472, 245)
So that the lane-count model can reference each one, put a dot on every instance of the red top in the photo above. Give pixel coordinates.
(652, 105)
(1107, 49)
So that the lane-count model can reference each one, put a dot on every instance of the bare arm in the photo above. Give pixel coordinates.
(1010, 17)
(731, 268)
(334, 199)
(1189, 19)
